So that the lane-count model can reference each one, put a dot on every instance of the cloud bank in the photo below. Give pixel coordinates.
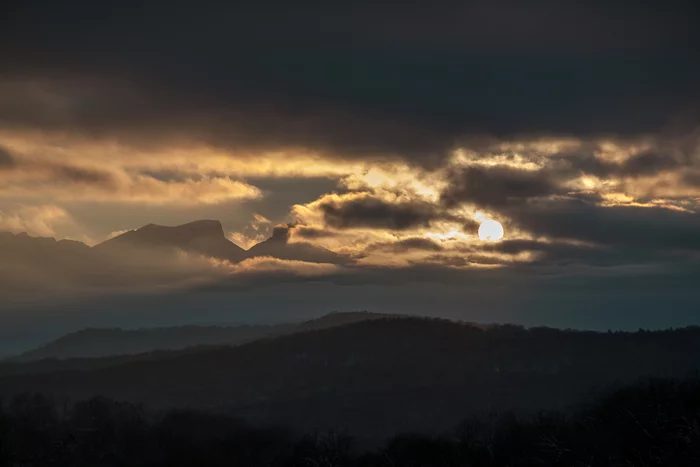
(384, 135)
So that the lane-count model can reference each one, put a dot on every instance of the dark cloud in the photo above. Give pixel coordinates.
(363, 80)
(6, 159)
(566, 254)
(513, 247)
(676, 150)
(496, 186)
(581, 162)
(281, 233)
(312, 233)
(572, 163)
(76, 174)
(692, 178)
(369, 211)
(623, 226)
(648, 163)
(60, 172)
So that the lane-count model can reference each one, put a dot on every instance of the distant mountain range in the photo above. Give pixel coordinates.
(207, 237)
(109, 342)
(374, 377)
(34, 268)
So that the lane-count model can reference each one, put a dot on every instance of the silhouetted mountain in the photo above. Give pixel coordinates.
(205, 237)
(381, 376)
(39, 267)
(279, 246)
(93, 343)
(343, 318)
(41, 249)
(26, 261)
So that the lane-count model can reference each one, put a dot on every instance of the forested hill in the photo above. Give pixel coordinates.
(385, 375)
(107, 342)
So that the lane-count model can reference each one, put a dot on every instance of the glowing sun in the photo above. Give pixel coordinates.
(490, 230)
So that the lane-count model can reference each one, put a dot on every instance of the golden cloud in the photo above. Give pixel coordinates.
(267, 265)
(41, 221)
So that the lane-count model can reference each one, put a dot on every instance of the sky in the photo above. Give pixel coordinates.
(384, 133)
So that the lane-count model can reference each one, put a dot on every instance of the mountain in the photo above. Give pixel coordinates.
(381, 376)
(21, 245)
(96, 343)
(33, 265)
(279, 246)
(205, 237)
(344, 318)
(39, 268)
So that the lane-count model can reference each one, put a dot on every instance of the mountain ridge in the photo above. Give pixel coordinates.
(112, 342)
(205, 237)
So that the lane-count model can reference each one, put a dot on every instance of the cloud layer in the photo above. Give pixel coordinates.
(383, 134)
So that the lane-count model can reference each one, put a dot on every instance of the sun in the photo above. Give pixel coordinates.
(490, 230)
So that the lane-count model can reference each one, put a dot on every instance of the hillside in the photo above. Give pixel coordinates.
(381, 376)
(95, 343)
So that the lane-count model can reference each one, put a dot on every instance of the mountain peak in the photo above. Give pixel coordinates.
(204, 236)
(206, 227)
(279, 246)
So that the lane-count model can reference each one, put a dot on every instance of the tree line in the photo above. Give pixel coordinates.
(655, 422)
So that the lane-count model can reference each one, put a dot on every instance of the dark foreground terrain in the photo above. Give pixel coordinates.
(374, 378)
(652, 423)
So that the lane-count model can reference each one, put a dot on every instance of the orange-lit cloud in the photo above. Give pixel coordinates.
(42, 220)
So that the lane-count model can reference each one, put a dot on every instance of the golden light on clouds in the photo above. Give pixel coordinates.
(184, 157)
(374, 213)
(39, 221)
(452, 234)
(331, 167)
(266, 265)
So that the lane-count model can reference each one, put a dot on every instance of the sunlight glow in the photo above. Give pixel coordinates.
(490, 230)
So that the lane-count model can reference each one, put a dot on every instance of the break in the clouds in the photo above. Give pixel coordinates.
(357, 143)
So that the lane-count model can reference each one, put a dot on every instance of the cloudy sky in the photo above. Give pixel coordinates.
(380, 132)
